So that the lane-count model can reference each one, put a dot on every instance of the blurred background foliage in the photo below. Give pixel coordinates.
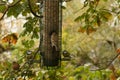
(90, 33)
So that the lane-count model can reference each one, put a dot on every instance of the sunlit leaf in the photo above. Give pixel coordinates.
(106, 15)
(79, 18)
(15, 11)
(28, 43)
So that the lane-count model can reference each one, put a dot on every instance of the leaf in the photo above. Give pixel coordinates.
(98, 20)
(118, 50)
(35, 7)
(87, 16)
(105, 0)
(106, 15)
(63, 7)
(2, 8)
(28, 26)
(111, 67)
(79, 18)
(81, 30)
(15, 11)
(25, 8)
(90, 30)
(10, 38)
(118, 1)
(112, 77)
(35, 33)
(31, 28)
(87, 29)
(28, 43)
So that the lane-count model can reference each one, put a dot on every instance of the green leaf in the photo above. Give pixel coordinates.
(25, 8)
(63, 7)
(87, 16)
(79, 18)
(28, 43)
(24, 13)
(31, 28)
(2, 8)
(15, 10)
(28, 26)
(105, 0)
(29, 18)
(35, 33)
(118, 0)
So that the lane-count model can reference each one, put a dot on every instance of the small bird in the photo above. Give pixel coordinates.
(54, 41)
(66, 53)
(15, 65)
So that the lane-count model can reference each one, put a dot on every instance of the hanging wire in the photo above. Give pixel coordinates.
(60, 29)
(41, 32)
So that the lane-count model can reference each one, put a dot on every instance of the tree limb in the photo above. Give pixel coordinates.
(108, 64)
(30, 7)
(7, 8)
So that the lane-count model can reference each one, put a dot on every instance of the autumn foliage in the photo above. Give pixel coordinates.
(10, 38)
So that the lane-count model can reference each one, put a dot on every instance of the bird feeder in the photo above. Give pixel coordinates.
(51, 22)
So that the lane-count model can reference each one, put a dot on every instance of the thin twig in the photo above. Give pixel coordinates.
(7, 8)
(108, 64)
(4, 13)
(30, 7)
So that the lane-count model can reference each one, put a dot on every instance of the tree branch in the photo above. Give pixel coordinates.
(4, 13)
(7, 8)
(30, 7)
(108, 64)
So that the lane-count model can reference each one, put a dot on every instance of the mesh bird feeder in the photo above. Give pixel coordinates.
(51, 22)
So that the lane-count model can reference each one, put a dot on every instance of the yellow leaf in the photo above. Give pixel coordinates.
(81, 30)
(90, 30)
(109, 16)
